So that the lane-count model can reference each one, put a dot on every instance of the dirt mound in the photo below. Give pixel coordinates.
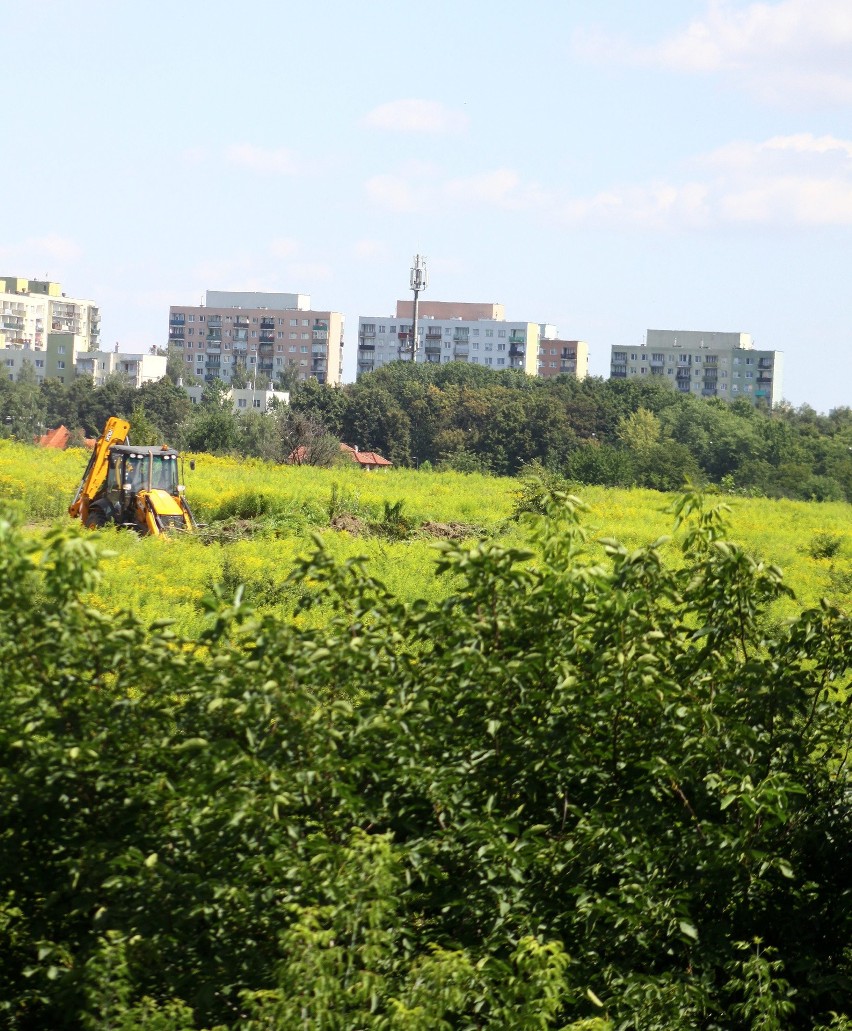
(450, 531)
(352, 524)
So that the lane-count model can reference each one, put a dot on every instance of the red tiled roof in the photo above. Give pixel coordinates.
(57, 438)
(365, 457)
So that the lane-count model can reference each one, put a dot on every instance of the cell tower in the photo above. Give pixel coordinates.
(419, 281)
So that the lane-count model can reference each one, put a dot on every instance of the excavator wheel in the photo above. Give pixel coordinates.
(96, 519)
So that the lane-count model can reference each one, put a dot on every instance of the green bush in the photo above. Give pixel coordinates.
(824, 545)
(563, 797)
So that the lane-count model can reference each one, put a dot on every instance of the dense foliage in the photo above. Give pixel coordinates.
(469, 418)
(577, 793)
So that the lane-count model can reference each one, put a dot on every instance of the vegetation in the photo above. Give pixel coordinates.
(467, 418)
(578, 790)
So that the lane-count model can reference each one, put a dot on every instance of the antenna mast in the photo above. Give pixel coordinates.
(419, 281)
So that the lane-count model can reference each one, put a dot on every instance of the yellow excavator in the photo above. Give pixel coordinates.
(136, 487)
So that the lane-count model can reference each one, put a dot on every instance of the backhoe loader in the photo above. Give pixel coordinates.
(136, 487)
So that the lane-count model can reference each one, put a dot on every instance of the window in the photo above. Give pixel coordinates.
(393, 329)
(292, 348)
(241, 403)
(448, 344)
(200, 318)
(697, 359)
(306, 322)
(304, 349)
(256, 402)
(39, 363)
(190, 331)
(502, 347)
(381, 329)
(501, 361)
(189, 358)
(254, 331)
(191, 318)
(60, 365)
(294, 336)
(279, 336)
(294, 322)
(501, 332)
(60, 349)
(489, 332)
(200, 357)
(475, 332)
(475, 346)
(489, 361)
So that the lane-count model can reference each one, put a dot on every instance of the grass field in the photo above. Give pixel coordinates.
(265, 515)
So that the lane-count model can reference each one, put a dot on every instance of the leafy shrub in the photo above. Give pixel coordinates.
(824, 545)
(563, 797)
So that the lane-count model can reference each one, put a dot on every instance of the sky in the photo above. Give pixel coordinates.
(605, 167)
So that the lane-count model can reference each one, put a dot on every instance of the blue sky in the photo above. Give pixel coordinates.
(607, 167)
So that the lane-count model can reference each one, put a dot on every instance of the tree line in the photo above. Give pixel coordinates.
(469, 418)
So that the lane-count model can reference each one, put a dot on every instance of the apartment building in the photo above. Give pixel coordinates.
(245, 399)
(563, 358)
(706, 364)
(259, 333)
(135, 368)
(40, 325)
(450, 331)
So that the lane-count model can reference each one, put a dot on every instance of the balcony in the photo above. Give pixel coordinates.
(267, 323)
(516, 351)
(214, 336)
(366, 347)
(214, 322)
(175, 333)
(764, 379)
(267, 337)
(175, 320)
(241, 320)
(765, 363)
(433, 334)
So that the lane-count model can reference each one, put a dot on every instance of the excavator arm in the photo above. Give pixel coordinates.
(115, 432)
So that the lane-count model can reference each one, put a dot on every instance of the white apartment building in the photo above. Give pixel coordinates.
(710, 364)
(136, 368)
(246, 399)
(260, 333)
(40, 325)
(450, 331)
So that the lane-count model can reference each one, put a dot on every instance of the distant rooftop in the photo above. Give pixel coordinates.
(256, 299)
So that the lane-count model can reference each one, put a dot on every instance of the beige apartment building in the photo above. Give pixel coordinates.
(450, 331)
(42, 326)
(263, 334)
(706, 364)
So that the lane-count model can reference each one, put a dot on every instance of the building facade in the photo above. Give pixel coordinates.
(450, 331)
(245, 399)
(40, 325)
(267, 334)
(563, 358)
(725, 365)
(136, 368)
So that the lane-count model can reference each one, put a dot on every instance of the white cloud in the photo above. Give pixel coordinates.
(795, 51)
(270, 160)
(416, 116)
(800, 180)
